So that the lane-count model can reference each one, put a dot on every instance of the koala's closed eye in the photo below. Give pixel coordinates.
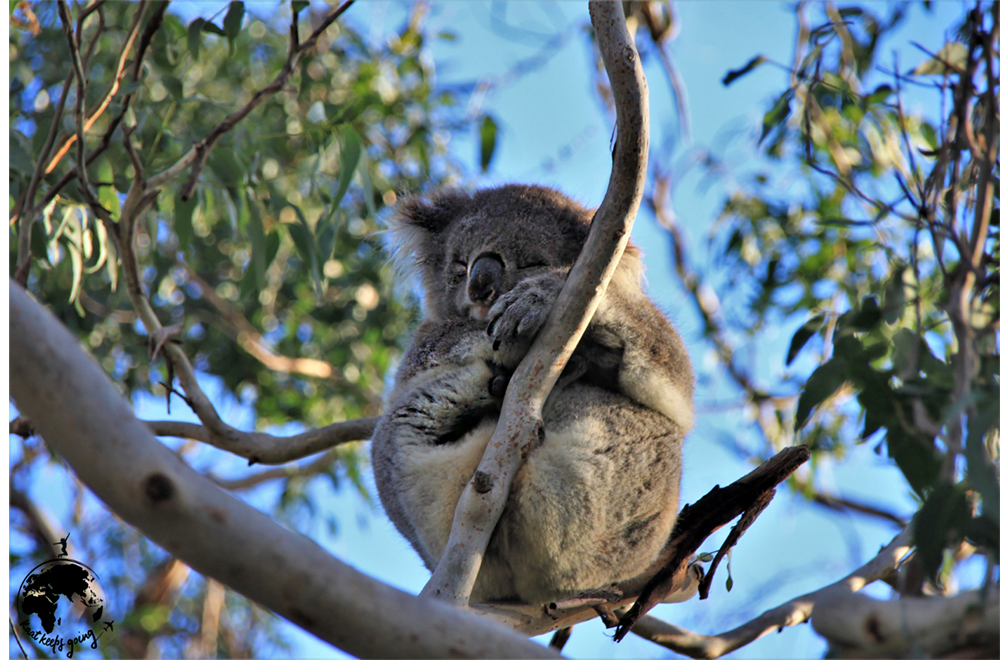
(594, 504)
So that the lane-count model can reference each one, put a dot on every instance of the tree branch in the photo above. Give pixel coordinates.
(520, 419)
(794, 612)
(269, 449)
(83, 417)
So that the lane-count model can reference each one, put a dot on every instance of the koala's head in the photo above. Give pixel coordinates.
(467, 250)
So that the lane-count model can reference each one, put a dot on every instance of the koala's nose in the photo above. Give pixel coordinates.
(485, 278)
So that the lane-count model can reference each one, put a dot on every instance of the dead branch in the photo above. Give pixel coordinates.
(520, 420)
(698, 521)
(661, 583)
(794, 612)
(84, 418)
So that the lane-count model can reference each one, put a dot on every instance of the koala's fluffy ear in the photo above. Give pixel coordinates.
(436, 213)
(414, 241)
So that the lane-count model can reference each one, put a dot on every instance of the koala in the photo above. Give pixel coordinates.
(592, 506)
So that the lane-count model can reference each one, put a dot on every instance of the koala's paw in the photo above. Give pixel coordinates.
(517, 316)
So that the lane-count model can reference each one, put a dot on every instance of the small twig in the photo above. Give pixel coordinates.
(133, 32)
(747, 519)
(840, 504)
(285, 472)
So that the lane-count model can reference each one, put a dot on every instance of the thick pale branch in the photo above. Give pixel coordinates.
(520, 421)
(268, 449)
(82, 416)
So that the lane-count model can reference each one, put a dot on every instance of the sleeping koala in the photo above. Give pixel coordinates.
(593, 505)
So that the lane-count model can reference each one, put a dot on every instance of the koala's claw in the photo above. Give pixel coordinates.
(518, 314)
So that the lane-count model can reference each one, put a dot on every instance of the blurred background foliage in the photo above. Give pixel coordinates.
(877, 225)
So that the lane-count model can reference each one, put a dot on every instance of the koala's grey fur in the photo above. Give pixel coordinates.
(593, 505)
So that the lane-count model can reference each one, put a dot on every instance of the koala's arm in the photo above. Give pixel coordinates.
(444, 388)
(629, 347)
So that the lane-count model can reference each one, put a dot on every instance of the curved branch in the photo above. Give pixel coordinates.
(269, 449)
(83, 417)
(517, 430)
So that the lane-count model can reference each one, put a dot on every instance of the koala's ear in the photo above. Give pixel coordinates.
(436, 213)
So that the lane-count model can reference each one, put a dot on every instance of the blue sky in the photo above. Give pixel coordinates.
(553, 131)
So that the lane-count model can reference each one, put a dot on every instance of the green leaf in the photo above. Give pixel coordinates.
(350, 155)
(183, 225)
(20, 161)
(212, 28)
(232, 22)
(802, 335)
(106, 193)
(777, 114)
(899, 290)
(194, 36)
(305, 243)
(299, 5)
(941, 521)
(950, 59)
(487, 142)
(915, 456)
(734, 74)
(822, 384)
(981, 471)
(174, 87)
(366, 182)
(881, 93)
(258, 243)
(226, 166)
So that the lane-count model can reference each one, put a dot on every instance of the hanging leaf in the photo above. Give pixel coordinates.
(822, 384)
(802, 335)
(183, 220)
(940, 522)
(232, 22)
(350, 155)
(735, 74)
(194, 37)
(487, 142)
(777, 114)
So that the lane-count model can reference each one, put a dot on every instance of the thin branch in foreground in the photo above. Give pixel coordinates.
(520, 420)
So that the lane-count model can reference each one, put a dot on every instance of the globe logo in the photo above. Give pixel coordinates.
(59, 606)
